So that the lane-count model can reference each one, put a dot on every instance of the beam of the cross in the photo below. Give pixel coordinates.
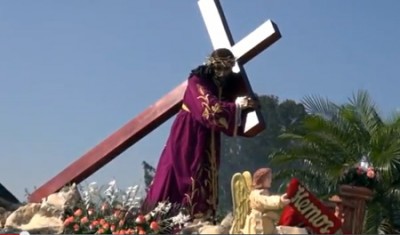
(144, 123)
(115, 144)
(218, 30)
(250, 46)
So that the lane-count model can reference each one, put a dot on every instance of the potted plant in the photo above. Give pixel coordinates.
(361, 175)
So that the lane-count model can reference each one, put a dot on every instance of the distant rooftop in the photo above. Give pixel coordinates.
(7, 195)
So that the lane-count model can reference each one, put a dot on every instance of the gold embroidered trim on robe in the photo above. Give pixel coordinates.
(185, 107)
(211, 111)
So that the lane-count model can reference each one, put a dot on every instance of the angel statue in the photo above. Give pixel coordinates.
(253, 206)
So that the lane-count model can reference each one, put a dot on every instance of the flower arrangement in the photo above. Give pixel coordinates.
(360, 176)
(114, 211)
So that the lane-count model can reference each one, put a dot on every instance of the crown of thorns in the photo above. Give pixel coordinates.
(218, 62)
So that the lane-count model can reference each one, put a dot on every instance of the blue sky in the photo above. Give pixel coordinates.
(73, 72)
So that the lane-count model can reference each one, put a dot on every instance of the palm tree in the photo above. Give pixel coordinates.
(334, 137)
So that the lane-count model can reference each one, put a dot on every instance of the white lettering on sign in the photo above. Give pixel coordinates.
(311, 211)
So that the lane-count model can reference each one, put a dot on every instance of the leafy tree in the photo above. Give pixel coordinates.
(149, 172)
(334, 137)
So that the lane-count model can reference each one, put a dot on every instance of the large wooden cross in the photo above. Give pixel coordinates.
(166, 107)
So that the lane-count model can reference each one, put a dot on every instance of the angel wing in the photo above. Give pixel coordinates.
(240, 187)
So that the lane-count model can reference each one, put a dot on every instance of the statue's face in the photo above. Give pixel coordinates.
(222, 71)
(222, 66)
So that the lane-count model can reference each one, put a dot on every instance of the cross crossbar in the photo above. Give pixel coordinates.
(250, 46)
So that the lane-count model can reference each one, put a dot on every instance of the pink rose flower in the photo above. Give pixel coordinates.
(84, 220)
(370, 173)
(76, 227)
(78, 212)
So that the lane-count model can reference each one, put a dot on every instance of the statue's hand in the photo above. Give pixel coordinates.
(284, 199)
(253, 103)
(246, 102)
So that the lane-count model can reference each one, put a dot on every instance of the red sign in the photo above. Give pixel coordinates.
(315, 215)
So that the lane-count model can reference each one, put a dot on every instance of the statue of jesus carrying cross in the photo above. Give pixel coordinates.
(213, 103)
(187, 172)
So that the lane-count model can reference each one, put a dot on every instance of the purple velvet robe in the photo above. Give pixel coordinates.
(187, 172)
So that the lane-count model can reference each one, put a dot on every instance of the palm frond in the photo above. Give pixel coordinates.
(386, 152)
(334, 137)
(315, 181)
(366, 110)
(316, 105)
(386, 227)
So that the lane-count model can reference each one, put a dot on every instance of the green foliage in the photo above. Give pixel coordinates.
(335, 137)
(149, 172)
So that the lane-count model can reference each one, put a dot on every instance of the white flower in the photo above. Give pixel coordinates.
(112, 183)
(95, 196)
(93, 188)
(180, 218)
